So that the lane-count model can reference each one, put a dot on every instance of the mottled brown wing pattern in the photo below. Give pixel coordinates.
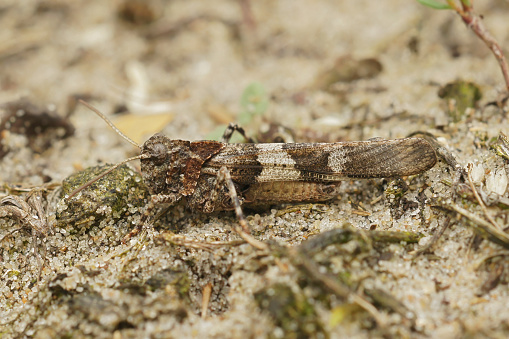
(323, 162)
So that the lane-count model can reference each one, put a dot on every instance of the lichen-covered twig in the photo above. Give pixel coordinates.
(483, 227)
(31, 214)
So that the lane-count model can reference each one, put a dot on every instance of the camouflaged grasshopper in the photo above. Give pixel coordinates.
(217, 176)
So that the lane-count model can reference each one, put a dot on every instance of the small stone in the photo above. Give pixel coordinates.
(477, 173)
(496, 182)
(110, 196)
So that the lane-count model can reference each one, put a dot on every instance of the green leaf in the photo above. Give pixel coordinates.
(466, 3)
(254, 101)
(216, 134)
(435, 4)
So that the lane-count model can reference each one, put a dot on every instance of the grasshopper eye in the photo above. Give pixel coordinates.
(158, 153)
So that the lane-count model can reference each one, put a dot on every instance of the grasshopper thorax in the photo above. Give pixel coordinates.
(173, 167)
(163, 164)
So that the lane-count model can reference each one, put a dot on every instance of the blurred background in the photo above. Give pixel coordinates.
(323, 64)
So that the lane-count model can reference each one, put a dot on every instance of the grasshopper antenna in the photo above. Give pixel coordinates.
(111, 169)
(108, 121)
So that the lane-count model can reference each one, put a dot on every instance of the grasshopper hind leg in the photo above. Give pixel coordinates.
(219, 193)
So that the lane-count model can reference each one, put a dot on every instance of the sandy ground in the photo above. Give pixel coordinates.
(181, 67)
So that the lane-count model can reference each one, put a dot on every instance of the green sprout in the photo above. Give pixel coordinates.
(434, 4)
(254, 101)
